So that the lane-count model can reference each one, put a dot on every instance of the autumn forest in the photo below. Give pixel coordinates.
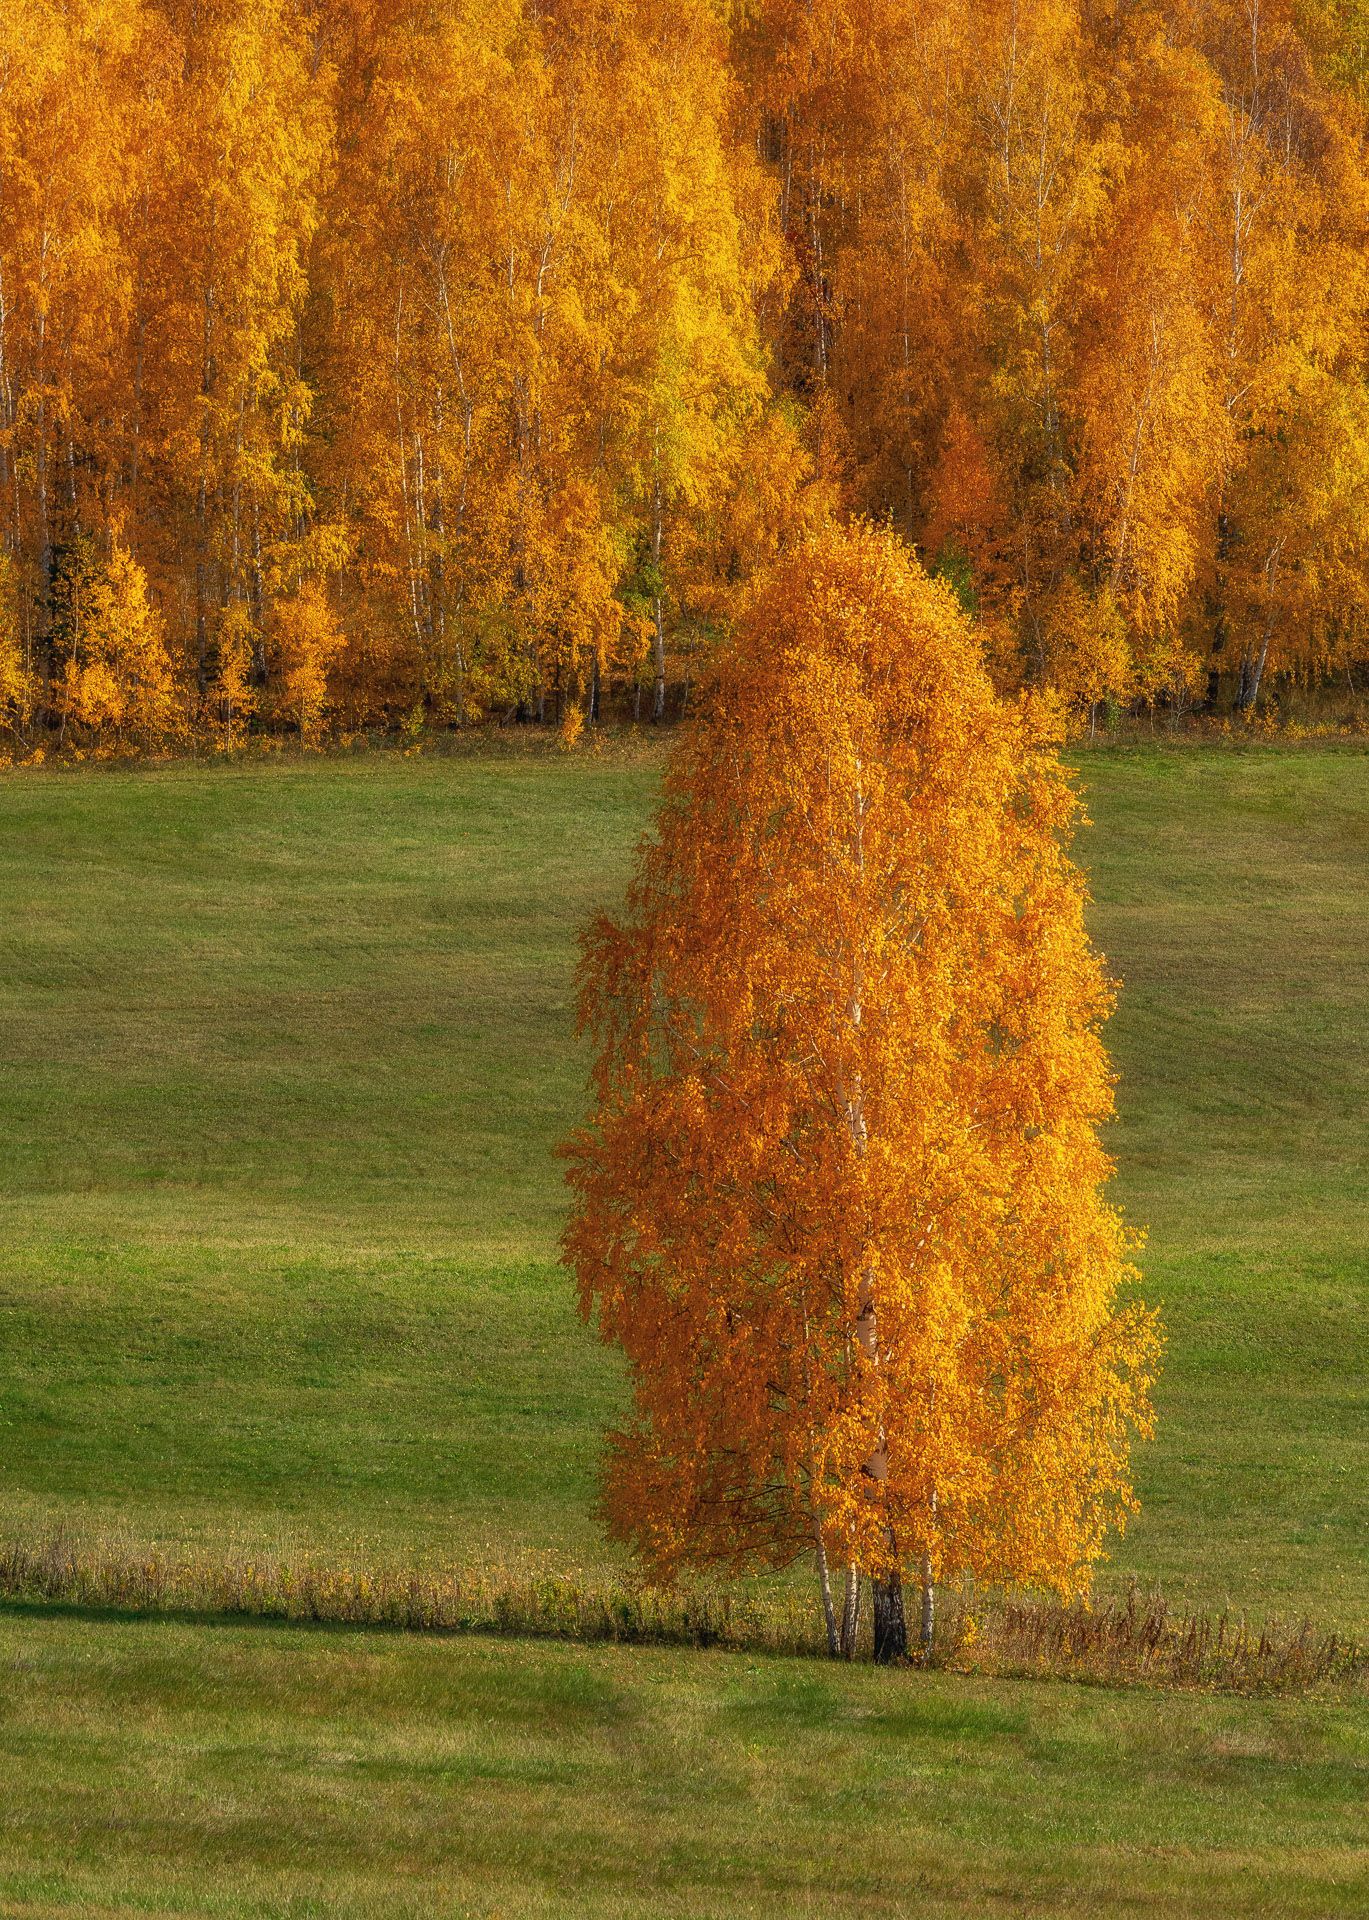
(684, 997)
(390, 364)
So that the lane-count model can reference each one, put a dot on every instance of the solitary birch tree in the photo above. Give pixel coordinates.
(840, 1199)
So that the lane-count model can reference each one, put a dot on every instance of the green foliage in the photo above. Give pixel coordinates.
(955, 567)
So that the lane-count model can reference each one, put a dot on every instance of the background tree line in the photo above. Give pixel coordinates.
(381, 363)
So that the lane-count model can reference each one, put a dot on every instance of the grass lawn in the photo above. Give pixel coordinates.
(285, 1772)
(286, 1051)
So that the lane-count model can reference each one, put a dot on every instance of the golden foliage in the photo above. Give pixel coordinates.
(114, 679)
(558, 322)
(16, 687)
(306, 639)
(1077, 278)
(840, 1199)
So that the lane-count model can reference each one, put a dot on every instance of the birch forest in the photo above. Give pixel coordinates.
(372, 366)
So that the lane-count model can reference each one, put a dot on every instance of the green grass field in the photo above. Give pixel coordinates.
(286, 1052)
(269, 1772)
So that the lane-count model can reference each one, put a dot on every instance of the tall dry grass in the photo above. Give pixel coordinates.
(1136, 1640)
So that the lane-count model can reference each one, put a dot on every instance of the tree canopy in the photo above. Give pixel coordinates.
(457, 358)
(840, 1199)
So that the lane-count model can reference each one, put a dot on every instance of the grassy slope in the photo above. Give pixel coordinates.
(290, 1053)
(1233, 898)
(268, 1772)
(287, 1052)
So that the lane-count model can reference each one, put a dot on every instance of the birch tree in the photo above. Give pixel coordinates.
(840, 1199)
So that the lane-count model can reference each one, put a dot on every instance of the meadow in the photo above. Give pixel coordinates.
(287, 1050)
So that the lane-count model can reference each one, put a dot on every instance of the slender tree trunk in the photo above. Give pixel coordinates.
(891, 1620)
(850, 1614)
(8, 477)
(829, 1612)
(207, 384)
(46, 557)
(891, 1628)
(658, 637)
(928, 1622)
(136, 426)
(1217, 607)
(1252, 675)
(658, 661)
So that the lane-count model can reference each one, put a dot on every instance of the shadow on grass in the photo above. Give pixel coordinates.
(1136, 1641)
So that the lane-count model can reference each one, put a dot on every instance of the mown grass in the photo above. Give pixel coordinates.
(1233, 897)
(286, 1050)
(277, 1772)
